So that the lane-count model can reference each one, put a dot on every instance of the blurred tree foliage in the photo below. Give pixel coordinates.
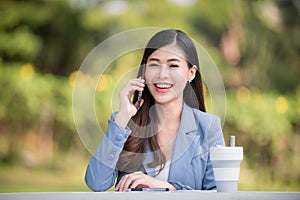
(255, 44)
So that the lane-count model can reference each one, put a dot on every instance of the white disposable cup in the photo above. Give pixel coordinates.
(226, 166)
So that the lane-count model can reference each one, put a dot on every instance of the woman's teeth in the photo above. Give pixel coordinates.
(163, 86)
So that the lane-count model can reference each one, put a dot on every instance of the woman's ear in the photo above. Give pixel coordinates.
(192, 72)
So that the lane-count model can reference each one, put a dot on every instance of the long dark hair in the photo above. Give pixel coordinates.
(143, 132)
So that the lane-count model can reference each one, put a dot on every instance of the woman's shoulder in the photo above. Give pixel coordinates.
(206, 121)
(204, 116)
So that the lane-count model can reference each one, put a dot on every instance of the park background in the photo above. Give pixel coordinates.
(255, 45)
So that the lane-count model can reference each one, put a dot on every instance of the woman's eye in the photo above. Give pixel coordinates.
(174, 65)
(153, 65)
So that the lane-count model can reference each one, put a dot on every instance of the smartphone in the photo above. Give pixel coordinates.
(141, 93)
(139, 100)
(147, 189)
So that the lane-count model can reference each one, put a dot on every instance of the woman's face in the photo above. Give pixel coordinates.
(166, 74)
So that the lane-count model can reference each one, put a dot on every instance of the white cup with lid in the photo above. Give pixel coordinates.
(226, 166)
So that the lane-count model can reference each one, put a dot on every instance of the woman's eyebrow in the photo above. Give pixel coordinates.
(154, 59)
(174, 59)
(169, 60)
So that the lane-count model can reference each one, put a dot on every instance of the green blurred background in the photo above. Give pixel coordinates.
(43, 43)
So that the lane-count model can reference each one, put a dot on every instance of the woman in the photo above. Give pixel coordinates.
(162, 138)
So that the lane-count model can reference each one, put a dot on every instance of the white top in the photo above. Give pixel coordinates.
(164, 174)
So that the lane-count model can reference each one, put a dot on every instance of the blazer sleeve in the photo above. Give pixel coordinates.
(214, 138)
(101, 172)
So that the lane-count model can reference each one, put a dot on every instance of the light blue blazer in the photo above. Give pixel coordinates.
(190, 169)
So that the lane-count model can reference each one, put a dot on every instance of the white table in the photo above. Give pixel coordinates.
(190, 195)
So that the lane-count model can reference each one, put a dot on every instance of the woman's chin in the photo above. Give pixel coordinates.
(166, 100)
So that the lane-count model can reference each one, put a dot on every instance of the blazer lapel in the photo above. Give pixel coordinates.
(184, 146)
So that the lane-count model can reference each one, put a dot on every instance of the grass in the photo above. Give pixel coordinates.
(43, 179)
(68, 175)
(259, 180)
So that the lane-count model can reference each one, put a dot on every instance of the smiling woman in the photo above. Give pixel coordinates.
(162, 138)
(165, 67)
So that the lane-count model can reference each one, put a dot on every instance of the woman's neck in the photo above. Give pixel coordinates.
(169, 123)
(170, 113)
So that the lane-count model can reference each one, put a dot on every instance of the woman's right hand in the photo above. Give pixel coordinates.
(127, 109)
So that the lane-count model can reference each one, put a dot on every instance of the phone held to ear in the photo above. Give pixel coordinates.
(139, 100)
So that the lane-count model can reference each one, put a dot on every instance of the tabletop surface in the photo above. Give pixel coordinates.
(178, 195)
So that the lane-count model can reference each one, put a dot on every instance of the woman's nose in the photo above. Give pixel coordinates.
(163, 72)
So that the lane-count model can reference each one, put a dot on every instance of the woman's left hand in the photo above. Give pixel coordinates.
(141, 180)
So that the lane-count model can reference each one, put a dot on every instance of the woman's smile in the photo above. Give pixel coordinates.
(162, 87)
